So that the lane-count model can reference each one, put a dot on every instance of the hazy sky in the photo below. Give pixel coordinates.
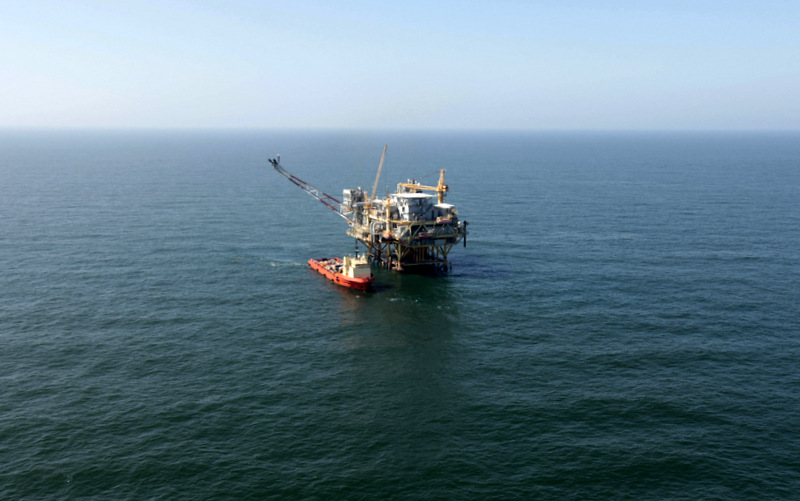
(557, 64)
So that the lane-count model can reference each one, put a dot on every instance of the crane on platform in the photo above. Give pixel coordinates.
(329, 201)
(440, 189)
(378, 175)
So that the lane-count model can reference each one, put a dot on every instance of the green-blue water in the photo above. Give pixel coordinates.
(623, 323)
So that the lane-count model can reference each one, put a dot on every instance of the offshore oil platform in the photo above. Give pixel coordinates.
(407, 231)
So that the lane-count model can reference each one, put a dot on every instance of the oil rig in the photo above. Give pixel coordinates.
(407, 231)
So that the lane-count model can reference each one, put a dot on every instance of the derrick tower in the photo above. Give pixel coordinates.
(411, 230)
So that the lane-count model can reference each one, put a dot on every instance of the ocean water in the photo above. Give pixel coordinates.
(622, 324)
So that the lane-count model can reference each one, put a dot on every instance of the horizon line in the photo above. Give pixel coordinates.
(389, 129)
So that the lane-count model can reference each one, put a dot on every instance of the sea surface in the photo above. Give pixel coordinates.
(624, 322)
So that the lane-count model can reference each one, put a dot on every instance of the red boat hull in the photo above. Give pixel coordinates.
(328, 268)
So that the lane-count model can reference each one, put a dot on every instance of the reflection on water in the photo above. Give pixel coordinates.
(401, 310)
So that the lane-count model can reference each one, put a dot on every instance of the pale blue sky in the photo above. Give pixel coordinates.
(401, 64)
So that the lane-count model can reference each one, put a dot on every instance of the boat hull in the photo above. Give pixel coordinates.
(329, 267)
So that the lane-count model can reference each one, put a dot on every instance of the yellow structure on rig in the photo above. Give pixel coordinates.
(407, 231)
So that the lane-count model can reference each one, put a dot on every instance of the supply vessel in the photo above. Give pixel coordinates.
(352, 272)
(411, 230)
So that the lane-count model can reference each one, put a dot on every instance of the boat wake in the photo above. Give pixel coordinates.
(280, 264)
(267, 262)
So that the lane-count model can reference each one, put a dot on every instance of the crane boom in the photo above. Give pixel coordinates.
(327, 200)
(378, 176)
(440, 188)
